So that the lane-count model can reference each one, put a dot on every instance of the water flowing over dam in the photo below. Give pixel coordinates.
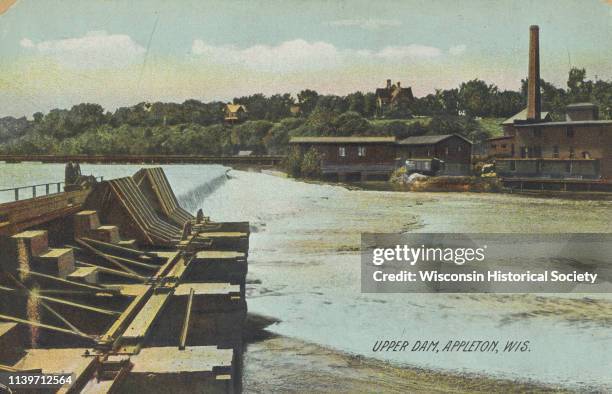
(192, 199)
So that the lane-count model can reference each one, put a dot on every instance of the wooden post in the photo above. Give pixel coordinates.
(185, 329)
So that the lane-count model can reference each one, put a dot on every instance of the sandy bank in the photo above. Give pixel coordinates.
(288, 365)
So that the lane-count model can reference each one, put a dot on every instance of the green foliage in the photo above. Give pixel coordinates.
(196, 128)
(311, 164)
(271, 108)
(308, 100)
(292, 163)
(400, 129)
(276, 140)
(462, 125)
(250, 135)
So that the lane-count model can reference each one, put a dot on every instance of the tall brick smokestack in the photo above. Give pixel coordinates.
(533, 87)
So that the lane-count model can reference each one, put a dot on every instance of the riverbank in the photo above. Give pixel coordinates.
(443, 184)
(287, 365)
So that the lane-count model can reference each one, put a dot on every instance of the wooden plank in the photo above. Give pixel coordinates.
(63, 302)
(145, 318)
(104, 256)
(114, 272)
(24, 214)
(185, 329)
(45, 326)
(46, 306)
(64, 281)
(113, 332)
(119, 248)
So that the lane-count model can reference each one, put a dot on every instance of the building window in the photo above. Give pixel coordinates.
(569, 132)
(503, 146)
(537, 151)
(555, 152)
(493, 146)
(537, 132)
(459, 148)
(523, 152)
(342, 151)
(572, 153)
(568, 167)
(428, 152)
(512, 165)
(512, 150)
(446, 151)
(361, 151)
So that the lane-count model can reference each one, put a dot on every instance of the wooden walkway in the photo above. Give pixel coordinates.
(145, 159)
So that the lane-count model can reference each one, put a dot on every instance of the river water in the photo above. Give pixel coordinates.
(304, 250)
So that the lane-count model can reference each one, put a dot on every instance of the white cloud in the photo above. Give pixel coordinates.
(300, 55)
(26, 43)
(97, 49)
(457, 49)
(408, 51)
(368, 24)
(289, 55)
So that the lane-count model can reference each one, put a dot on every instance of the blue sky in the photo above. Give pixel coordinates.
(58, 53)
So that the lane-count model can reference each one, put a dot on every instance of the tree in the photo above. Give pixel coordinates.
(356, 102)
(350, 123)
(369, 105)
(308, 100)
(475, 97)
(276, 140)
(579, 89)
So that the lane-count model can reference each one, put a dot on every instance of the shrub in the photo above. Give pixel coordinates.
(292, 163)
(311, 164)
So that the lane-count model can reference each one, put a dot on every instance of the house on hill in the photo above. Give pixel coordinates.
(393, 98)
(235, 113)
(295, 110)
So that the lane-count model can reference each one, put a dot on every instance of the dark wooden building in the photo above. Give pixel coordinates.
(451, 154)
(352, 158)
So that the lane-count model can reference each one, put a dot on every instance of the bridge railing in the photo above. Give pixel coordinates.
(32, 191)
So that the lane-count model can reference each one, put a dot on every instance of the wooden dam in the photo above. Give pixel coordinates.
(115, 284)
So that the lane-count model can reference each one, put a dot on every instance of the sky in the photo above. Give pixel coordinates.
(57, 53)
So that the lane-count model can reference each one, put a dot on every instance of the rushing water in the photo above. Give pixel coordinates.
(304, 250)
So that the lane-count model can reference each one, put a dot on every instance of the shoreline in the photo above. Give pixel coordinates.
(395, 187)
(284, 364)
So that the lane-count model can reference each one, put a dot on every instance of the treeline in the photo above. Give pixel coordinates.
(194, 127)
(259, 136)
